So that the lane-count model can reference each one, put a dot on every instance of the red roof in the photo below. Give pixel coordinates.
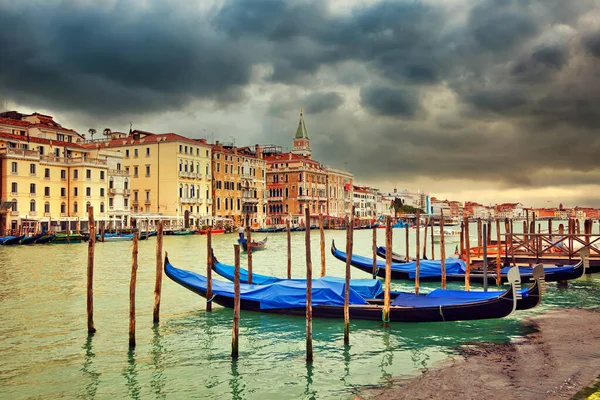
(147, 138)
(14, 122)
(274, 158)
(34, 139)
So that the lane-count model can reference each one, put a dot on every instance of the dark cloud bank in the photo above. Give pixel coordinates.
(519, 77)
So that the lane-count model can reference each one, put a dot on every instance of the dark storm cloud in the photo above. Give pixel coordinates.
(591, 42)
(389, 102)
(323, 102)
(116, 60)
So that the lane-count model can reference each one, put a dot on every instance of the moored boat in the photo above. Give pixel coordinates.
(9, 240)
(288, 297)
(45, 239)
(68, 238)
(260, 245)
(31, 239)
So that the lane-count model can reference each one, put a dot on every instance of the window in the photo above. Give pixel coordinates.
(47, 207)
(126, 202)
(101, 192)
(126, 184)
(88, 191)
(185, 151)
(75, 192)
(147, 195)
(14, 205)
(63, 192)
(101, 207)
(63, 174)
(198, 154)
(110, 203)
(135, 196)
(32, 188)
(218, 167)
(111, 183)
(147, 170)
(47, 173)
(13, 187)
(87, 206)
(41, 149)
(127, 153)
(226, 168)
(57, 152)
(75, 207)
(147, 151)
(135, 172)
(118, 166)
(88, 174)
(31, 169)
(63, 208)
(32, 205)
(180, 166)
(101, 175)
(180, 147)
(218, 203)
(60, 137)
(75, 174)
(135, 152)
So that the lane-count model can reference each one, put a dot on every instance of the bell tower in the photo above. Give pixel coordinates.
(301, 140)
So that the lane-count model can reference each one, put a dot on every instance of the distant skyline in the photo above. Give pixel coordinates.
(490, 101)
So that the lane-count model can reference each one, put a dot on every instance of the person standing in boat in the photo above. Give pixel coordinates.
(241, 232)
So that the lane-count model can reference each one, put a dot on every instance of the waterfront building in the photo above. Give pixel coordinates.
(365, 202)
(438, 205)
(169, 176)
(239, 176)
(48, 179)
(119, 191)
(510, 211)
(418, 199)
(295, 181)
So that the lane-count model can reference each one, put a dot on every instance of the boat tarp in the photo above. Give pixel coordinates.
(367, 288)
(414, 300)
(547, 270)
(427, 268)
(474, 295)
(283, 294)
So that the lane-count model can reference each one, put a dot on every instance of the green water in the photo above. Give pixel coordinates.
(45, 351)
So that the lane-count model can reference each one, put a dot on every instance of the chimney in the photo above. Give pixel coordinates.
(289, 156)
(217, 143)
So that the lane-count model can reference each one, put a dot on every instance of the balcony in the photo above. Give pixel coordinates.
(32, 174)
(32, 194)
(254, 200)
(19, 152)
(208, 201)
(304, 198)
(47, 214)
(208, 177)
(118, 172)
(32, 213)
(112, 191)
(147, 202)
(13, 194)
(198, 175)
(46, 178)
(126, 192)
(63, 214)
(14, 213)
(63, 197)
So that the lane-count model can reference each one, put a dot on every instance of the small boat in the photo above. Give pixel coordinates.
(430, 270)
(8, 240)
(31, 239)
(47, 238)
(119, 238)
(288, 297)
(372, 288)
(449, 235)
(396, 258)
(214, 231)
(68, 238)
(270, 229)
(184, 232)
(260, 245)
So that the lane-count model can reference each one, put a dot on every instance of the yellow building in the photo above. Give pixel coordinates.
(169, 175)
(239, 184)
(48, 178)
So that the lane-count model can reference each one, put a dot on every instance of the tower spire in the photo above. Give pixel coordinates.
(301, 140)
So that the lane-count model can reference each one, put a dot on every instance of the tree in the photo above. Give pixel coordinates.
(106, 132)
(92, 132)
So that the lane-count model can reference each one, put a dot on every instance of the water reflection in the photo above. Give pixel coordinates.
(131, 375)
(235, 381)
(309, 392)
(388, 357)
(157, 353)
(419, 359)
(88, 370)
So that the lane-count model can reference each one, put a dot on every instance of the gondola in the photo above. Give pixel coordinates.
(396, 258)
(9, 240)
(31, 239)
(119, 238)
(372, 289)
(288, 297)
(260, 245)
(45, 239)
(184, 232)
(68, 238)
(430, 270)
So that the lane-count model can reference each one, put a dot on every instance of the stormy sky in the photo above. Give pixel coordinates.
(489, 101)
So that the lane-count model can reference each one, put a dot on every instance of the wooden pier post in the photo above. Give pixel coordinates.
(418, 257)
(467, 256)
(90, 272)
(309, 349)
(577, 226)
(249, 253)
(209, 262)
(479, 237)
(388, 271)
(374, 249)
(462, 239)
(489, 233)
(406, 227)
(526, 231)
(499, 252)
(424, 237)
(442, 250)
(159, 270)
(132, 282)
(236, 303)
(506, 240)
(322, 236)
(289, 250)
(69, 230)
(102, 230)
(432, 242)
(349, 245)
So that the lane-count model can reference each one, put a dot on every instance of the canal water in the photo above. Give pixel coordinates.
(45, 351)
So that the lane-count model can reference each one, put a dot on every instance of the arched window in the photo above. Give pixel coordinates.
(300, 191)
(218, 203)
(88, 205)
(180, 165)
(32, 205)
(187, 189)
(287, 209)
(286, 193)
(198, 167)
(180, 190)
(111, 183)
(206, 168)
(75, 207)
(14, 205)
(126, 184)
(191, 167)
(193, 193)
(198, 192)
(102, 207)
(185, 167)
(63, 208)
(47, 207)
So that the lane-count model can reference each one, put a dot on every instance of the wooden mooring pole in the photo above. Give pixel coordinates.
(374, 249)
(462, 239)
(349, 245)
(479, 237)
(432, 241)
(309, 349)
(289, 250)
(489, 233)
(132, 282)
(417, 256)
(388, 271)
(209, 262)
(322, 237)
(90, 272)
(406, 227)
(159, 269)
(442, 250)
(499, 252)
(236, 304)
(467, 256)
(424, 237)
(249, 252)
